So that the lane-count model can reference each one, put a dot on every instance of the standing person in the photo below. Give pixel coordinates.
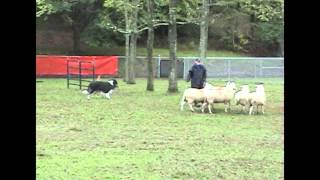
(197, 75)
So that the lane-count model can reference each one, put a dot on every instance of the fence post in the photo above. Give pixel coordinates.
(229, 69)
(255, 68)
(93, 71)
(159, 67)
(184, 68)
(261, 73)
(93, 68)
(189, 65)
(68, 74)
(80, 75)
(186, 64)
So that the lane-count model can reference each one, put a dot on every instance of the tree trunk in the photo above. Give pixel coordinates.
(281, 43)
(132, 58)
(82, 14)
(76, 39)
(203, 43)
(172, 35)
(233, 42)
(150, 86)
(126, 63)
(126, 76)
(133, 44)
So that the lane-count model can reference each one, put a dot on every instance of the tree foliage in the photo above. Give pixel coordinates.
(239, 25)
(77, 13)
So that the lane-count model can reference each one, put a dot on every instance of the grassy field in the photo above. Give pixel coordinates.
(143, 135)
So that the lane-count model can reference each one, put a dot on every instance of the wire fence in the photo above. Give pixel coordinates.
(224, 67)
(230, 67)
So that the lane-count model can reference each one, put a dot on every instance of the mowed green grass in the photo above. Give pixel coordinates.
(143, 135)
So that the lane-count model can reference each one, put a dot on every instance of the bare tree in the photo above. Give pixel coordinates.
(150, 86)
(172, 35)
(203, 45)
(133, 42)
(127, 35)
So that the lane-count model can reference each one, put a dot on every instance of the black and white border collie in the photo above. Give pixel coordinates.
(105, 88)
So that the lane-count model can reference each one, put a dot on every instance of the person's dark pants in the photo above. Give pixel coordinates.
(197, 87)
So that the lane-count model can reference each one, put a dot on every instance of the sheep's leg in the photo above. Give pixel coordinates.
(182, 105)
(262, 109)
(225, 107)
(203, 107)
(250, 111)
(246, 106)
(191, 108)
(209, 107)
(242, 108)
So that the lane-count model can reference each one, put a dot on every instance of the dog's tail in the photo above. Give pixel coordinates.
(85, 92)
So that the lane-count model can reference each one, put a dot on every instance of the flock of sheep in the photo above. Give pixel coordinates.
(211, 94)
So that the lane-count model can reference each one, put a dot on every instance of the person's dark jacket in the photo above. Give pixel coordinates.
(197, 75)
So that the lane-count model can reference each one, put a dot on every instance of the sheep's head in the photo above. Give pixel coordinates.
(259, 87)
(208, 86)
(232, 85)
(245, 87)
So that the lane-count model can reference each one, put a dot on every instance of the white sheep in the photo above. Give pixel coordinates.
(257, 98)
(219, 95)
(242, 97)
(191, 96)
(208, 86)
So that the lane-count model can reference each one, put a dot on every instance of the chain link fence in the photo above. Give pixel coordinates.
(222, 67)
(229, 67)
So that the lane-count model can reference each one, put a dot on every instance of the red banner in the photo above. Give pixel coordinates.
(57, 65)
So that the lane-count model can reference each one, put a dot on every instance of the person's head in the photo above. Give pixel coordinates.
(197, 61)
